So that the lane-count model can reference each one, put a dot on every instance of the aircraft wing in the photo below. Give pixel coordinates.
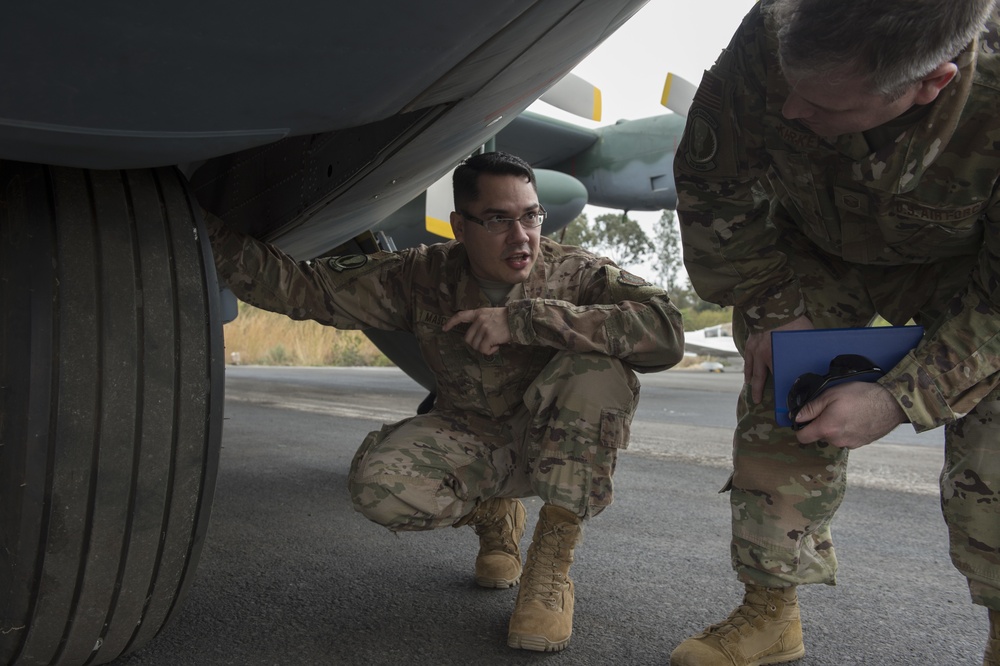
(544, 141)
(302, 122)
(304, 125)
(712, 341)
(627, 165)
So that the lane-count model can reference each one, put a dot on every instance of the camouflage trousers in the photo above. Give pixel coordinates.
(560, 444)
(784, 494)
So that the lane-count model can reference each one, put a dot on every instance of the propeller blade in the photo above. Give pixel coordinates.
(574, 95)
(678, 94)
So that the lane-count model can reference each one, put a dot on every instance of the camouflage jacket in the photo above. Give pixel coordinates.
(746, 175)
(572, 300)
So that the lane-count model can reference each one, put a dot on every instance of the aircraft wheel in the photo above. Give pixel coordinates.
(111, 388)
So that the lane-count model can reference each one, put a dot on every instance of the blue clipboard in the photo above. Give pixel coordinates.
(796, 352)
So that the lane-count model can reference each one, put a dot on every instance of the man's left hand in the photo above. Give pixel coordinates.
(850, 415)
(488, 328)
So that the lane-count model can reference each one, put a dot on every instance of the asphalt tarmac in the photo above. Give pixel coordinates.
(290, 574)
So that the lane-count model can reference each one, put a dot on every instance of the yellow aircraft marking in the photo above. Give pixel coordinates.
(438, 227)
(677, 94)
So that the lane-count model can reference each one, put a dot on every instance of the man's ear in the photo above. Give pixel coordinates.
(458, 225)
(931, 85)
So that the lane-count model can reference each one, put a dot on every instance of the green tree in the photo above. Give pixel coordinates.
(617, 237)
(669, 261)
(621, 239)
(695, 319)
(578, 232)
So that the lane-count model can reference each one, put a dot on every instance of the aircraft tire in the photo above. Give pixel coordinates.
(111, 390)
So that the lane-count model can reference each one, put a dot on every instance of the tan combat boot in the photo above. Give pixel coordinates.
(992, 655)
(765, 629)
(543, 616)
(499, 522)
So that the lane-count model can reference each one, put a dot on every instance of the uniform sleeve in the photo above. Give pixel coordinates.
(958, 363)
(351, 292)
(617, 314)
(729, 245)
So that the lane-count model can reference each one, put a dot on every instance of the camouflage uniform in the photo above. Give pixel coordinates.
(902, 221)
(544, 416)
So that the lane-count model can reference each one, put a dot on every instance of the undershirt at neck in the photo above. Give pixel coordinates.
(496, 292)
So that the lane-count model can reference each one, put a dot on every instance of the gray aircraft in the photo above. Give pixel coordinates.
(626, 166)
(303, 123)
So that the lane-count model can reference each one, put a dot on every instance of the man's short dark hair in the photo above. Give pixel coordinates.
(466, 177)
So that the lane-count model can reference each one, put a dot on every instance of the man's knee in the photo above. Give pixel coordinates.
(387, 489)
(373, 489)
(590, 372)
(396, 502)
(584, 384)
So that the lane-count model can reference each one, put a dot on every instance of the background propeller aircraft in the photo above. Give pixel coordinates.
(306, 125)
(626, 166)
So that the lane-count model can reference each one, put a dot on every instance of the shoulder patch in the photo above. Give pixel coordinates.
(347, 262)
(346, 269)
(702, 140)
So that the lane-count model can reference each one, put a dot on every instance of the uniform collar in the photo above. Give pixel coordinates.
(897, 168)
(466, 294)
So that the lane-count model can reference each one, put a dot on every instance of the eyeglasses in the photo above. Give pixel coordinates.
(843, 368)
(501, 225)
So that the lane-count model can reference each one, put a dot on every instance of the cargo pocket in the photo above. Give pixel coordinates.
(615, 429)
(602, 468)
(616, 426)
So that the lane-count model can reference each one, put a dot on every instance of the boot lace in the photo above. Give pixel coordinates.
(756, 608)
(495, 533)
(544, 581)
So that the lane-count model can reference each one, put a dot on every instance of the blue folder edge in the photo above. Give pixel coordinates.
(796, 352)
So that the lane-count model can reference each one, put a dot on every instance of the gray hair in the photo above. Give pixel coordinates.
(895, 43)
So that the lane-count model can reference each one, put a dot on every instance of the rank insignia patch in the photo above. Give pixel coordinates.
(631, 280)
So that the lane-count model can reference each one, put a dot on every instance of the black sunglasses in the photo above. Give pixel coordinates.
(843, 368)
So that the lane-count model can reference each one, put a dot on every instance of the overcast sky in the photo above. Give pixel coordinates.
(630, 67)
(680, 36)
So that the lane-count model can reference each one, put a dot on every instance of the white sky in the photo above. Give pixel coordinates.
(630, 67)
(680, 36)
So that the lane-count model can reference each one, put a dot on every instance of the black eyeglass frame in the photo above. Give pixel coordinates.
(507, 222)
(843, 368)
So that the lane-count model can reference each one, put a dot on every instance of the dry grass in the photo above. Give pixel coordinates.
(258, 337)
